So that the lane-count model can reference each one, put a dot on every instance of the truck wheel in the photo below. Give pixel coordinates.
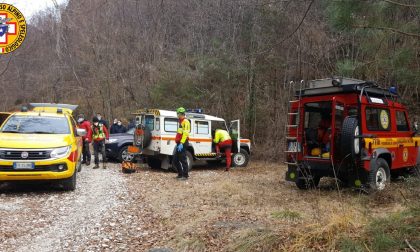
(69, 184)
(304, 183)
(79, 165)
(240, 159)
(124, 155)
(379, 175)
(350, 144)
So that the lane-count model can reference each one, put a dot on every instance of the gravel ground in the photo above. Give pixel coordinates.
(42, 218)
(245, 209)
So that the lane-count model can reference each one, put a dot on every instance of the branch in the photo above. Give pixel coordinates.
(291, 34)
(7, 66)
(402, 4)
(409, 245)
(388, 29)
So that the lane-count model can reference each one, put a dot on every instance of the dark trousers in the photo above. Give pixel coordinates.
(86, 151)
(99, 147)
(180, 161)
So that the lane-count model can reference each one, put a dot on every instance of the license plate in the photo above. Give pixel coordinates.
(18, 166)
(294, 146)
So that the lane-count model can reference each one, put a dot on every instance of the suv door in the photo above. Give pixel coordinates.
(235, 134)
(3, 117)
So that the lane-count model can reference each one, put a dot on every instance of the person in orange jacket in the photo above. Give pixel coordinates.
(223, 141)
(99, 136)
(181, 139)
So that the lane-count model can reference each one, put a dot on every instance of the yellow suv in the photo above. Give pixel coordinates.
(41, 144)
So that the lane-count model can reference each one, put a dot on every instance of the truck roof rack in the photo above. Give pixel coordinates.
(343, 85)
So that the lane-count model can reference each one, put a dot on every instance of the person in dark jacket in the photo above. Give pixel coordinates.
(118, 127)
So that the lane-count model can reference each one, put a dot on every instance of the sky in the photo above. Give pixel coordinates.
(30, 7)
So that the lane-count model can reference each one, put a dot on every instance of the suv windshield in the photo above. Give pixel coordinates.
(36, 124)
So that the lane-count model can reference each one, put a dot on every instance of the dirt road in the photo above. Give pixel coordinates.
(247, 209)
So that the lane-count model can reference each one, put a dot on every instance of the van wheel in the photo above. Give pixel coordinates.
(154, 163)
(350, 144)
(190, 161)
(304, 183)
(69, 184)
(240, 159)
(379, 176)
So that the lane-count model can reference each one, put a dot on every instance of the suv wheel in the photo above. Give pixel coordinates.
(124, 155)
(69, 184)
(379, 176)
(240, 159)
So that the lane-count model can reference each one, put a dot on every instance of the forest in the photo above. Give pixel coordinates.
(232, 58)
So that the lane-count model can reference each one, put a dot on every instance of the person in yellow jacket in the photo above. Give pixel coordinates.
(223, 141)
(181, 139)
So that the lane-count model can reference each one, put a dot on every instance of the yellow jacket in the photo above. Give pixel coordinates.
(221, 135)
(184, 131)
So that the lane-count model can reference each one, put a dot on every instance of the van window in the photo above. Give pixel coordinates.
(157, 123)
(378, 119)
(170, 124)
(149, 122)
(402, 124)
(202, 128)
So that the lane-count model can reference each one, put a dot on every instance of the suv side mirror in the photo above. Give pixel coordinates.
(81, 132)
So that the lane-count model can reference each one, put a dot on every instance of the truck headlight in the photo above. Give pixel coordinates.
(60, 152)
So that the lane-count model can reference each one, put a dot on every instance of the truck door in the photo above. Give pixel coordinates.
(336, 127)
(235, 134)
(406, 150)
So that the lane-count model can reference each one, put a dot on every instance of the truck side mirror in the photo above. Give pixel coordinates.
(416, 128)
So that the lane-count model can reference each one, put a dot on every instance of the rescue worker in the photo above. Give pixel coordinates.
(223, 141)
(99, 135)
(102, 120)
(85, 124)
(181, 139)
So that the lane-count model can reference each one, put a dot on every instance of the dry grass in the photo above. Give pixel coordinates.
(254, 209)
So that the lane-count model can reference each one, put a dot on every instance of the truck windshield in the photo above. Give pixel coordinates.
(36, 125)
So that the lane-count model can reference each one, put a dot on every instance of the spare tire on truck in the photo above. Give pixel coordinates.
(142, 136)
(350, 143)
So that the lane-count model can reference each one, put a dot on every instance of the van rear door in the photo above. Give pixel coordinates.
(235, 134)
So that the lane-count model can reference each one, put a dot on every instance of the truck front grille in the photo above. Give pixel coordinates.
(24, 154)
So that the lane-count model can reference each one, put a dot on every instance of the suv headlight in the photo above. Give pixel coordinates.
(60, 152)
(112, 140)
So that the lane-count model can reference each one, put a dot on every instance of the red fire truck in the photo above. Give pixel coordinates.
(351, 130)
